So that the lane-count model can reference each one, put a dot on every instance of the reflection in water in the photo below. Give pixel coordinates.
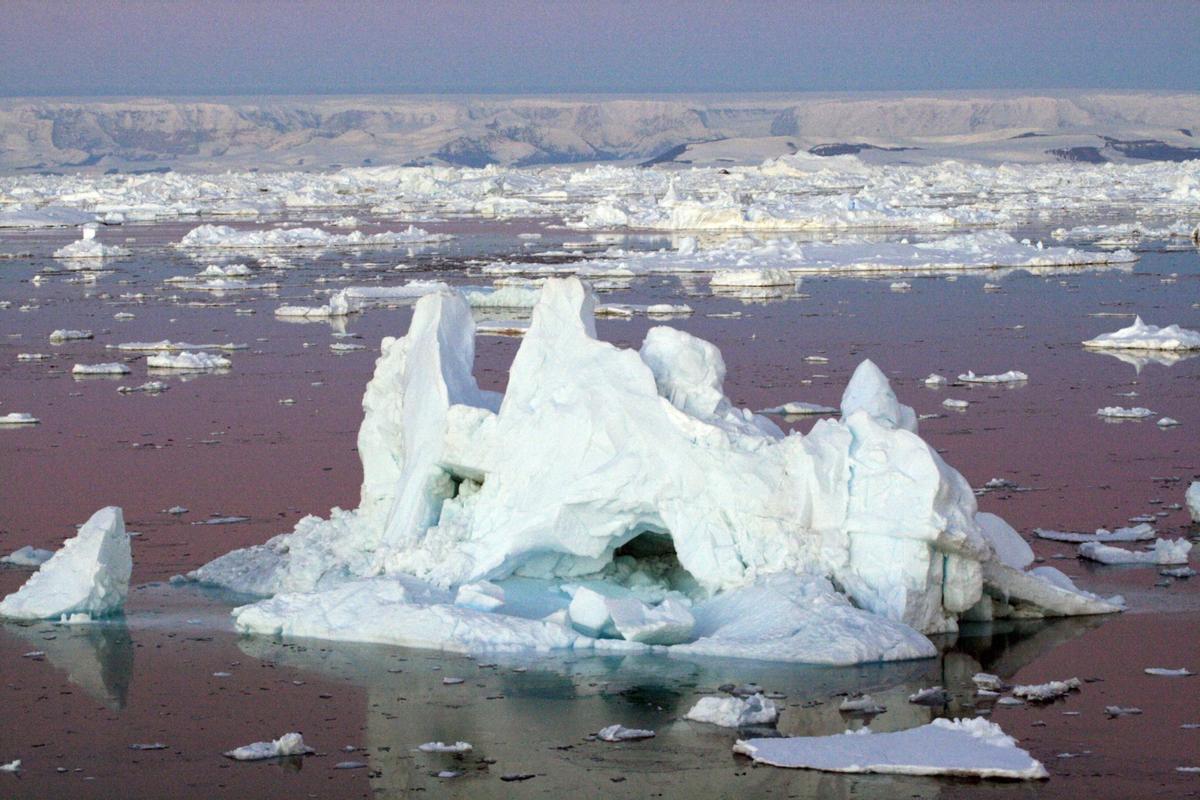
(97, 657)
(1142, 358)
(533, 714)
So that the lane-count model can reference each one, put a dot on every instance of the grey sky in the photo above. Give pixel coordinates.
(220, 47)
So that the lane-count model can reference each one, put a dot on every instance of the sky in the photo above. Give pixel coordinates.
(252, 47)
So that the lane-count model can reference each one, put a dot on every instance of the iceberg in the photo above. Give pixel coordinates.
(89, 247)
(734, 712)
(86, 579)
(965, 747)
(616, 499)
(1192, 498)
(1140, 336)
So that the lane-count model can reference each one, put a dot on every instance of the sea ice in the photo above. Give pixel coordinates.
(1192, 498)
(1164, 672)
(619, 733)
(290, 744)
(439, 747)
(1118, 412)
(1164, 552)
(111, 368)
(87, 578)
(223, 237)
(188, 362)
(738, 278)
(1137, 533)
(27, 556)
(1140, 336)
(1012, 376)
(632, 501)
(734, 712)
(89, 247)
(18, 418)
(863, 705)
(63, 335)
(966, 747)
(797, 408)
(1046, 692)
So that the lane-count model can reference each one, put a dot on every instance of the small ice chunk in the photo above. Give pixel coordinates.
(12, 766)
(1012, 376)
(19, 418)
(1167, 422)
(619, 733)
(968, 747)
(797, 408)
(481, 595)
(1136, 533)
(933, 379)
(1120, 412)
(752, 277)
(1046, 692)
(65, 335)
(951, 402)
(1164, 672)
(932, 696)
(1192, 498)
(290, 744)
(864, 705)
(148, 746)
(188, 362)
(734, 712)
(1121, 711)
(440, 747)
(900, 286)
(87, 578)
(1165, 552)
(27, 556)
(111, 368)
(669, 622)
(149, 387)
(987, 681)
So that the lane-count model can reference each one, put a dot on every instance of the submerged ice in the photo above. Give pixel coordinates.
(616, 498)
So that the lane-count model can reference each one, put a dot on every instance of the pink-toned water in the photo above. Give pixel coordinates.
(223, 444)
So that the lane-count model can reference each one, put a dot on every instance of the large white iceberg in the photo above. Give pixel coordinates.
(631, 475)
(87, 578)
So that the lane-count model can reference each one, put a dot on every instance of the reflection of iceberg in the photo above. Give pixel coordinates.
(97, 657)
(628, 492)
(1138, 359)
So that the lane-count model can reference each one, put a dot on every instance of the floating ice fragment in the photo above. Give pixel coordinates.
(19, 418)
(734, 712)
(752, 278)
(1164, 552)
(65, 335)
(111, 368)
(11, 766)
(290, 744)
(1167, 422)
(931, 696)
(935, 380)
(1121, 711)
(1140, 336)
(1012, 376)
(87, 578)
(799, 408)
(987, 681)
(619, 733)
(27, 556)
(1046, 692)
(863, 705)
(149, 387)
(1164, 672)
(148, 746)
(966, 747)
(439, 747)
(188, 362)
(951, 402)
(1118, 412)
(1137, 533)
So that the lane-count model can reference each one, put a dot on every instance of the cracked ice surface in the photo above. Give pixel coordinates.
(618, 494)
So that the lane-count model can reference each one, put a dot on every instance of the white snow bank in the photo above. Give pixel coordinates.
(734, 712)
(641, 502)
(223, 237)
(290, 744)
(1164, 552)
(965, 747)
(1012, 376)
(1140, 336)
(188, 362)
(87, 578)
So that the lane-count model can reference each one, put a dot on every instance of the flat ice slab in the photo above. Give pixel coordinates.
(87, 578)
(964, 747)
(290, 744)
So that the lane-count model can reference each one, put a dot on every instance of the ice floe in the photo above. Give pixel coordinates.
(89, 247)
(618, 500)
(440, 747)
(1192, 498)
(1140, 336)
(290, 744)
(87, 578)
(18, 418)
(187, 361)
(961, 747)
(111, 368)
(223, 237)
(734, 712)
(619, 733)
(797, 408)
(1046, 692)
(1120, 412)
(1012, 376)
(1137, 533)
(1164, 552)
(65, 335)
(1164, 672)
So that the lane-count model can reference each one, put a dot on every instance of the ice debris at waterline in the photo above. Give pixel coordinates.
(290, 744)
(616, 499)
(87, 578)
(965, 747)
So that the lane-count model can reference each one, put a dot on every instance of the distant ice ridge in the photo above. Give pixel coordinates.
(87, 578)
(616, 499)
(223, 237)
(1140, 336)
(749, 261)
